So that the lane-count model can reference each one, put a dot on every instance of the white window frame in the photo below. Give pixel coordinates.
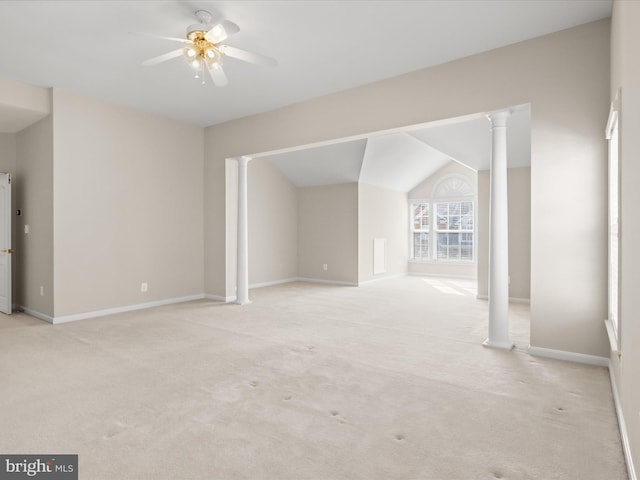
(413, 231)
(464, 186)
(436, 230)
(612, 133)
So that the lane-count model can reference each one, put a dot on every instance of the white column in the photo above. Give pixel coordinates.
(498, 236)
(242, 274)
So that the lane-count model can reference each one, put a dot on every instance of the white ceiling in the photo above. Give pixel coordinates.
(96, 47)
(326, 165)
(399, 161)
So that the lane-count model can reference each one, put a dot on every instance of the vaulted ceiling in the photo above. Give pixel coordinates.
(402, 160)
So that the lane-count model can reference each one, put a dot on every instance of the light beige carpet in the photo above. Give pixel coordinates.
(385, 381)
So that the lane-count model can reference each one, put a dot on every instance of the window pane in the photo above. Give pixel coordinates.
(443, 216)
(454, 225)
(455, 246)
(420, 216)
(421, 245)
(443, 246)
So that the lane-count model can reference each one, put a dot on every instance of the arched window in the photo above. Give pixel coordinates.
(443, 227)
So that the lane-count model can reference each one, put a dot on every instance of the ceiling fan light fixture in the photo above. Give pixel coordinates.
(211, 54)
(200, 50)
(216, 34)
(204, 49)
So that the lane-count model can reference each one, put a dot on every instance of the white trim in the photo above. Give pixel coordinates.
(318, 280)
(329, 282)
(511, 299)
(626, 445)
(447, 178)
(614, 110)
(613, 339)
(498, 345)
(273, 282)
(526, 301)
(129, 308)
(568, 356)
(34, 313)
(219, 298)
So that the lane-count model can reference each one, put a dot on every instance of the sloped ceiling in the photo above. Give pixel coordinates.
(469, 141)
(401, 160)
(327, 165)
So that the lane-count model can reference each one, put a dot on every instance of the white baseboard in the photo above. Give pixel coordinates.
(273, 282)
(219, 298)
(328, 282)
(626, 447)
(318, 280)
(568, 356)
(34, 313)
(511, 299)
(109, 311)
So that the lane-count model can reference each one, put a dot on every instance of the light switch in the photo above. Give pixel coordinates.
(26, 229)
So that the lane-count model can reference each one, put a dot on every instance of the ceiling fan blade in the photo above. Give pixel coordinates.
(222, 30)
(217, 75)
(162, 58)
(175, 39)
(247, 56)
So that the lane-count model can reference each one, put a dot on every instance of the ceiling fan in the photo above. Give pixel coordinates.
(204, 49)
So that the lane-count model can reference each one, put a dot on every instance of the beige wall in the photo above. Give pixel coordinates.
(625, 74)
(564, 76)
(519, 198)
(128, 206)
(425, 190)
(272, 224)
(33, 194)
(22, 105)
(328, 233)
(8, 152)
(382, 213)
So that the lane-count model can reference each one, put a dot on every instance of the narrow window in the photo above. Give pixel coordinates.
(420, 222)
(454, 230)
(614, 224)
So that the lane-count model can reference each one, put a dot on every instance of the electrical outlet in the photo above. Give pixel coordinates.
(144, 287)
(325, 267)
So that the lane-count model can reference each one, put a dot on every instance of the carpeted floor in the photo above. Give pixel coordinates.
(385, 381)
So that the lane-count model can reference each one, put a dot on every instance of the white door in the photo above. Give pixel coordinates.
(5, 243)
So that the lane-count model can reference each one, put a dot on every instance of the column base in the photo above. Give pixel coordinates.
(499, 345)
(242, 302)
